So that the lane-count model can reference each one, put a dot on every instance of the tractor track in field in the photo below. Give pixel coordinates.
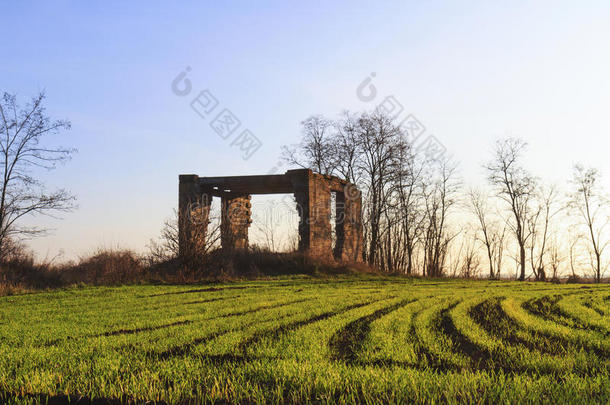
(497, 323)
(118, 332)
(492, 318)
(546, 308)
(216, 289)
(126, 331)
(181, 323)
(276, 333)
(346, 343)
(481, 357)
(260, 308)
(477, 355)
(426, 359)
(200, 290)
(240, 353)
(142, 329)
(206, 301)
(187, 348)
(302, 342)
(591, 306)
(502, 326)
(409, 337)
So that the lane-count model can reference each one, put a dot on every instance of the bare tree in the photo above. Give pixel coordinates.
(316, 150)
(347, 148)
(490, 235)
(266, 226)
(409, 189)
(270, 236)
(539, 224)
(455, 255)
(501, 244)
(22, 152)
(471, 261)
(589, 203)
(15, 251)
(205, 236)
(380, 141)
(167, 246)
(439, 198)
(556, 257)
(364, 149)
(515, 186)
(574, 239)
(407, 197)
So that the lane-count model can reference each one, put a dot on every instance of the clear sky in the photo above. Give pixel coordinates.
(471, 72)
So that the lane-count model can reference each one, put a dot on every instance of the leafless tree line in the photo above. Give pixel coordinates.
(408, 196)
(419, 219)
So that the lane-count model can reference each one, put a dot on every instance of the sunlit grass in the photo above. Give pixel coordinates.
(351, 340)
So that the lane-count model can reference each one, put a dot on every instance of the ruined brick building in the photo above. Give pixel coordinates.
(312, 192)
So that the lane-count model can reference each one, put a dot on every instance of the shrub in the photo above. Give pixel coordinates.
(18, 271)
(106, 267)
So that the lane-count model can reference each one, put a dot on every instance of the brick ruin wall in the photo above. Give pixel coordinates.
(312, 193)
(235, 221)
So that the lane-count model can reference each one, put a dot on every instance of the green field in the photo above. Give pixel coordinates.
(374, 340)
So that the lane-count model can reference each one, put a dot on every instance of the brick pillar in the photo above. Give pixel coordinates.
(193, 214)
(339, 226)
(300, 184)
(235, 221)
(312, 194)
(349, 225)
(319, 217)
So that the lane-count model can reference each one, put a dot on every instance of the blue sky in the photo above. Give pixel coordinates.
(470, 71)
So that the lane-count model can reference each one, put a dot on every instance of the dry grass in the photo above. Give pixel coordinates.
(121, 266)
(21, 274)
(105, 267)
(10, 289)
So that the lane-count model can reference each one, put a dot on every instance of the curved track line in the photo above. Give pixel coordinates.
(346, 343)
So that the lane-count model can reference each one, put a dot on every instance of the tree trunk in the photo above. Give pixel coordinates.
(522, 259)
(490, 257)
(599, 268)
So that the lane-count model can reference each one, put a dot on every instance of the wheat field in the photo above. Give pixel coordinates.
(300, 339)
